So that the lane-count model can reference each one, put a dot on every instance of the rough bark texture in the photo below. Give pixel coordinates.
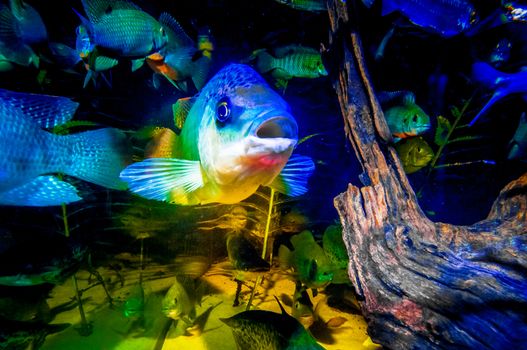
(423, 285)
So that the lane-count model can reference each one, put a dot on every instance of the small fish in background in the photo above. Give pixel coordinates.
(501, 52)
(333, 245)
(515, 11)
(120, 29)
(30, 24)
(294, 222)
(13, 49)
(181, 299)
(503, 84)
(238, 135)
(64, 56)
(181, 58)
(302, 308)
(406, 118)
(243, 254)
(414, 153)
(94, 65)
(335, 249)
(235, 219)
(134, 305)
(518, 145)
(18, 335)
(267, 330)
(31, 154)
(308, 260)
(446, 18)
(285, 63)
(305, 5)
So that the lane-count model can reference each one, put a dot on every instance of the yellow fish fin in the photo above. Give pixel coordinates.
(162, 144)
(181, 109)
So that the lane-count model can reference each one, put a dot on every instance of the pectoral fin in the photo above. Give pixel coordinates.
(138, 63)
(156, 178)
(41, 192)
(292, 181)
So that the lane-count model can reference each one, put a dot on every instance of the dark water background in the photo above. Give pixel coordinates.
(459, 195)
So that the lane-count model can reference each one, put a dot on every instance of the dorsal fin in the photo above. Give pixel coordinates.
(95, 9)
(47, 111)
(281, 307)
(181, 109)
(175, 32)
(9, 30)
(290, 49)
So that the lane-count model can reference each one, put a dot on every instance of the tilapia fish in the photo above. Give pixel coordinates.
(30, 154)
(238, 135)
(266, 330)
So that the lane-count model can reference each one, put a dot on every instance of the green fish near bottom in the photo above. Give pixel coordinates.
(415, 154)
(134, 305)
(308, 260)
(267, 330)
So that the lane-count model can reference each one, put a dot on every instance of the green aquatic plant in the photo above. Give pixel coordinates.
(265, 242)
(447, 133)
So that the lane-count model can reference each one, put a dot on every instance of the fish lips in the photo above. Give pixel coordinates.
(421, 128)
(271, 133)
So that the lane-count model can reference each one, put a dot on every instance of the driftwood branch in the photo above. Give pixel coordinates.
(423, 285)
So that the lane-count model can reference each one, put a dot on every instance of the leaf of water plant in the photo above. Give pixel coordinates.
(442, 131)
(65, 129)
(465, 138)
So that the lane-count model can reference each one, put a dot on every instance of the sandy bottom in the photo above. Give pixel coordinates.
(111, 330)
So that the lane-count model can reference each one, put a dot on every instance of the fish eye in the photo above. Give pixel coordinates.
(223, 110)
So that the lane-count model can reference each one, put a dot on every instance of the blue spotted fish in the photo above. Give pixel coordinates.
(31, 156)
(119, 28)
(444, 17)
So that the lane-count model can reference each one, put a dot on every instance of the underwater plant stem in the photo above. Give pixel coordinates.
(141, 261)
(454, 126)
(85, 328)
(253, 292)
(79, 302)
(432, 164)
(264, 249)
(65, 220)
(268, 223)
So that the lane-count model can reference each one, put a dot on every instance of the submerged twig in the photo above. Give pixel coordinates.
(264, 249)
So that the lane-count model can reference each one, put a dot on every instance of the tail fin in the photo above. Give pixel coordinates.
(485, 74)
(99, 156)
(201, 72)
(264, 61)
(498, 95)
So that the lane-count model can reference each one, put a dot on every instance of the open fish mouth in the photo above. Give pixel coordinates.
(282, 125)
(274, 136)
(422, 128)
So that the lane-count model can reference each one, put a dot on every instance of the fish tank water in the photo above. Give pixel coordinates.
(143, 262)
